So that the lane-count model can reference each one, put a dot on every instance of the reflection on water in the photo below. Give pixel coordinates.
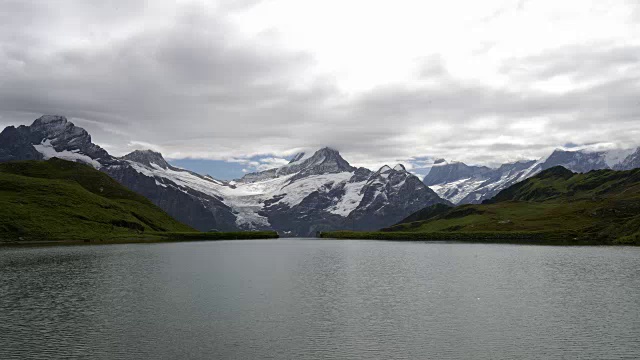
(308, 299)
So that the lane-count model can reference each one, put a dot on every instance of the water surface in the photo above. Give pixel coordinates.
(327, 299)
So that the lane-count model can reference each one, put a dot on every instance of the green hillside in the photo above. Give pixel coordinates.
(556, 205)
(62, 200)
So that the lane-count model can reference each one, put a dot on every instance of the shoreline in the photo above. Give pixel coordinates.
(524, 238)
(151, 239)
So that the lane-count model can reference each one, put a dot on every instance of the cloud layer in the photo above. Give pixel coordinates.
(234, 80)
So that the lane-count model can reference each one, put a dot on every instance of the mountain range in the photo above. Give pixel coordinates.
(315, 192)
(555, 206)
(466, 184)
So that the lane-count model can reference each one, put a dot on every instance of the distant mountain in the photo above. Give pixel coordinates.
(556, 205)
(62, 200)
(464, 184)
(321, 191)
(632, 161)
(50, 136)
(314, 192)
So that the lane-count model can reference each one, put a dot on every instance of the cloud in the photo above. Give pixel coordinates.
(189, 80)
(270, 163)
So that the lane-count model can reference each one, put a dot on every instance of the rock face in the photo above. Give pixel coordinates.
(632, 161)
(54, 136)
(148, 174)
(314, 192)
(322, 191)
(463, 184)
(49, 136)
(576, 161)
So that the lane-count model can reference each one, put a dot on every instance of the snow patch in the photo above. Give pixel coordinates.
(48, 151)
(352, 197)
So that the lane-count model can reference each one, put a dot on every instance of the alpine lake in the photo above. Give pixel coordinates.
(319, 299)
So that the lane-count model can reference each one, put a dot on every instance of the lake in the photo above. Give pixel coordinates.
(319, 299)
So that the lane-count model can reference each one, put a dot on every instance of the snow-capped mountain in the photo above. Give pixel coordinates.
(464, 184)
(53, 136)
(631, 161)
(50, 136)
(314, 192)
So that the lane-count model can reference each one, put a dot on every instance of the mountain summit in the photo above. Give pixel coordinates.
(148, 158)
(323, 161)
(314, 192)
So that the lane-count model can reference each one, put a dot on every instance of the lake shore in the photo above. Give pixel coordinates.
(526, 238)
(150, 238)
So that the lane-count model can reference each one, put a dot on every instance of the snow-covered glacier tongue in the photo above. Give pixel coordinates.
(314, 192)
(323, 191)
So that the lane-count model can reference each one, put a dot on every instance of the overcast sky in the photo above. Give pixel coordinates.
(252, 82)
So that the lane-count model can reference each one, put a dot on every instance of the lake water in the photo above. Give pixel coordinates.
(319, 299)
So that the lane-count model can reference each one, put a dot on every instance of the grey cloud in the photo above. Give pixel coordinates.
(194, 87)
(585, 61)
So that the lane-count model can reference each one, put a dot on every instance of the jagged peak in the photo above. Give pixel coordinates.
(399, 167)
(323, 156)
(61, 132)
(323, 161)
(328, 149)
(48, 119)
(297, 157)
(384, 169)
(147, 157)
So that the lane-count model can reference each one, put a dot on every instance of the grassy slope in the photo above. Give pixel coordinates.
(61, 200)
(556, 205)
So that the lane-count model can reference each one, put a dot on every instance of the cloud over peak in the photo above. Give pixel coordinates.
(226, 80)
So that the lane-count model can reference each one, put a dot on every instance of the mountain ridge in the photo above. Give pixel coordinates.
(469, 184)
(313, 192)
(555, 206)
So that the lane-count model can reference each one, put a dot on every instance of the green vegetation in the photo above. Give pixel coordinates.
(556, 206)
(62, 201)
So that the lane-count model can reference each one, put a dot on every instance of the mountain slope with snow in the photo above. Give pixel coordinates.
(314, 192)
(464, 184)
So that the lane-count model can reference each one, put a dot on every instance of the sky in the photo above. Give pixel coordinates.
(228, 87)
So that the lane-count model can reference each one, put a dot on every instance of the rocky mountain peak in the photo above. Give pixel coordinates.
(147, 157)
(51, 136)
(49, 120)
(578, 161)
(329, 157)
(399, 167)
(323, 161)
(55, 126)
(443, 172)
(62, 133)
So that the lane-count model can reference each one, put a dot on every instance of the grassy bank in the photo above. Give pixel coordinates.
(62, 202)
(553, 207)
